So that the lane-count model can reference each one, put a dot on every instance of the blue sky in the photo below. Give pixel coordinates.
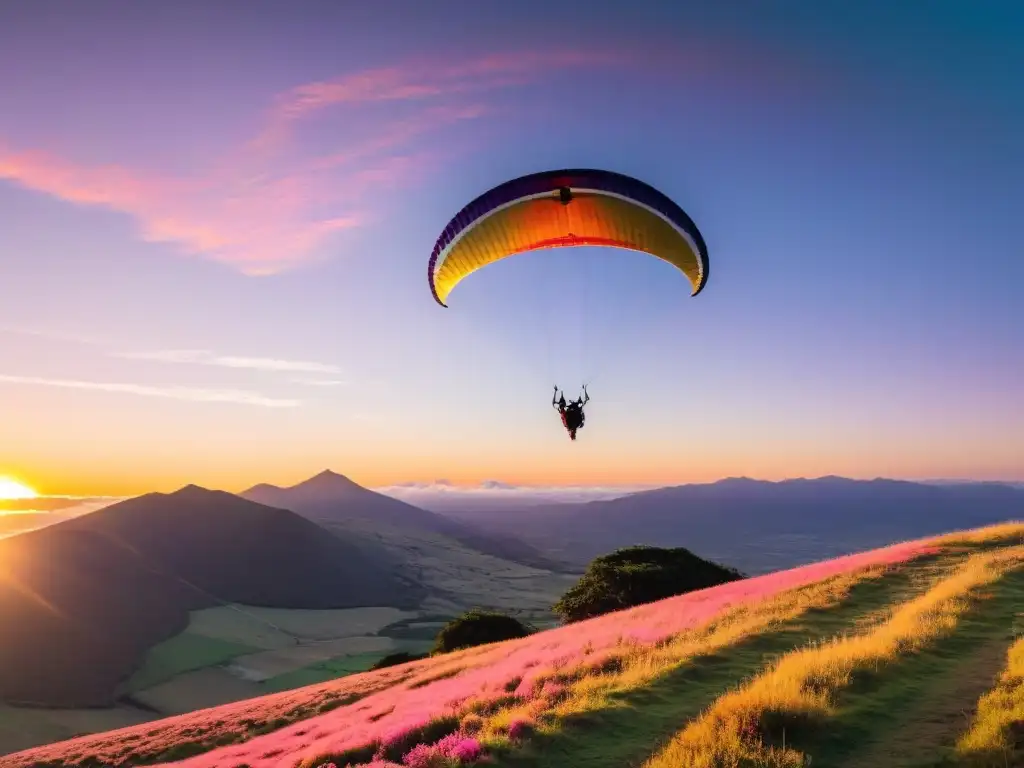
(216, 227)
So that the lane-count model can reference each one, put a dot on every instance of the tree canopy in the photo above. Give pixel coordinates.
(637, 575)
(478, 627)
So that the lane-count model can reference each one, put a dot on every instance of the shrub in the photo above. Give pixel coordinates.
(393, 659)
(478, 628)
(637, 575)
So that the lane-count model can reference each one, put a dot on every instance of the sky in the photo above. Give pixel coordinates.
(215, 226)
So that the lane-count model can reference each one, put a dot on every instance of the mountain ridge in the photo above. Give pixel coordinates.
(142, 565)
(778, 522)
(330, 498)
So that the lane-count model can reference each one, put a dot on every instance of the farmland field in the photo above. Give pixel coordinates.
(266, 664)
(277, 627)
(183, 653)
(321, 671)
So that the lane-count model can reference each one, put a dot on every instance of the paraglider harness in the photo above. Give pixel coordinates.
(572, 414)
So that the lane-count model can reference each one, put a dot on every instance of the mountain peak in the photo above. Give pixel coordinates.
(328, 481)
(190, 490)
(262, 487)
(740, 482)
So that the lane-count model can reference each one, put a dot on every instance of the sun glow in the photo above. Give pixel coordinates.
(12, 489)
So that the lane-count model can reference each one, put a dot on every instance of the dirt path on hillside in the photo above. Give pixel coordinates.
(943, 712)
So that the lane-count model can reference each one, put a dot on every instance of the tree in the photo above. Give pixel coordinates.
(478, 627)
(393, 659)
(637, 575)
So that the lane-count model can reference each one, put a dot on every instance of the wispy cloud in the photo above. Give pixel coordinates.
(74, 338)
(271, 202)
(206, 357)
(323, 373)
(422, 81)
(319, 382)
(192, 394)
(442, 495)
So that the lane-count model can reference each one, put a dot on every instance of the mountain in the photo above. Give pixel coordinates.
(717, 676)
(758, 526)
(82, 601)
(331, 499)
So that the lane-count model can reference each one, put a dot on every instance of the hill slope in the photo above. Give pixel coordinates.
(921, 628)
(759, 526)
(456, 564)
(333, 499)
(81, 601)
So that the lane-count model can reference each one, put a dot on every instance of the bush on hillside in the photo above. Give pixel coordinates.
(478, 628)
(393, 659)
(637, 575)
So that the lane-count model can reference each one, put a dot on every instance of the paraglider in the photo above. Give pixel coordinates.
(566, 208)
(572, 414)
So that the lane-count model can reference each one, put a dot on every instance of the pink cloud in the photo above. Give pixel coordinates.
(263, 212)
(271, 202)
(425, 79)
(258, 224)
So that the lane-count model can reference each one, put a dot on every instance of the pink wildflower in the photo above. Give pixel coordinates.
(420, 756)
(466, 751)
(455, 746)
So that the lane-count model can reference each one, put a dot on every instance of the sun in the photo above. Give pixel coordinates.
(12, 489)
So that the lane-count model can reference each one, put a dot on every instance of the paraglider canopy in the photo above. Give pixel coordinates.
(564, 208)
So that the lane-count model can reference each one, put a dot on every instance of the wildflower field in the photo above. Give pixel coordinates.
(909, 655)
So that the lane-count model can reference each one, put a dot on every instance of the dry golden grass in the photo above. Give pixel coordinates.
(991, 738)
(800, 688)
(1012, 530)
(587, 688)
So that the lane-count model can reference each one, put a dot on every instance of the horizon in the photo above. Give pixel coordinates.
(215, 271)
(498, 485)
(437, 495)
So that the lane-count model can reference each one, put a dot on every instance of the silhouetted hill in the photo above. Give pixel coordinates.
(10, 524)
(759, 526)
(333, 500)
(81, 601)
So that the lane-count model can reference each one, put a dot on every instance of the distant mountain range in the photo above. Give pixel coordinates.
(756, 525)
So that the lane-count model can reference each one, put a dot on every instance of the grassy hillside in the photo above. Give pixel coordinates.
(905, 656)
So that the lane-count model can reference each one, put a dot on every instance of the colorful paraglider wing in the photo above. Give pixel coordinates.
(557, 209)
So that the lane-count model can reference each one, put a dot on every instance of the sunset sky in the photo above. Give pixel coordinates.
(215, 227)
